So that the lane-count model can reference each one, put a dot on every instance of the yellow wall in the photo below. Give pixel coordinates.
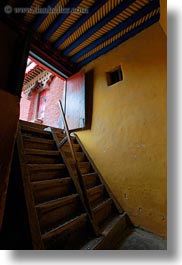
(127, 140)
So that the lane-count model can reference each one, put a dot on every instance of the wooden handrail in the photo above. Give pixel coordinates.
(80, 182)
(67, 132)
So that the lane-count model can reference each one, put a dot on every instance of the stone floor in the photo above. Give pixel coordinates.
(138, 239)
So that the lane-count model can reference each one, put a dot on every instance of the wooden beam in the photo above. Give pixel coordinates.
(52, 56)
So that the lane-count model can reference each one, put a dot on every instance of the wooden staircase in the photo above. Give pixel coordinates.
(63, 214)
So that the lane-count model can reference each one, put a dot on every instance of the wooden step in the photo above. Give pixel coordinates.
(96, 195)
(85, 167)
(31, 142)
(103, 211)
(111, 234)
(69, 235)
(41, 156)
(61, 136)
(52, 189)
(93, 244)
(56, 212)
(66, 147)
(35, 131)
(111, 222)
(80, 156)
(32, 124)
(90, 180)
(40, 172)
(39, 128)
(41, 152)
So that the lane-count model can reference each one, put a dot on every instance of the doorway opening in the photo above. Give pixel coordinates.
(43, 87)
(40, 94)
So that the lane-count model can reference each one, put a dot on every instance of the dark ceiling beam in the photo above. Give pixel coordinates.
(40, 18)
(18, 4)
(80, 22)
(24, 3)
(51, 61)
(60, 19)
(139, 14)
(21, 3)
(28, 4)
(52, 56)
(122, 6)
(127, 36)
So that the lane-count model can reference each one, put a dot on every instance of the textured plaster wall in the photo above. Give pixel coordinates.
(127, 140)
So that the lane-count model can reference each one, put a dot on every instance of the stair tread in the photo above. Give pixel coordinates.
(58, 201)
(110, 223)
(91, 180)
(67, 144)
(100, 186)
(42, 172)
(51, 181)
(47, 190)
(31, 124)
(92, 244)
(111, 231)
(96, 195)
(29, 151)
(46, 166)
(63, 226)
(39, 128)
(37, 139)
(84, 163)
(89, 174)
(77, 152)
(31, 129)
(102, 204)
(80, 156)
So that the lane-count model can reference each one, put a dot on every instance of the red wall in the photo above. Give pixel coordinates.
(52, 113)
(24, 107)
(32, 108)
(55, 92)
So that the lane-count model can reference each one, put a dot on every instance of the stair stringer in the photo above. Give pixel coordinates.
(117, 204)
(32, 214)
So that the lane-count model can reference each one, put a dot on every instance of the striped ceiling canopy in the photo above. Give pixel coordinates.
(75, 32)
